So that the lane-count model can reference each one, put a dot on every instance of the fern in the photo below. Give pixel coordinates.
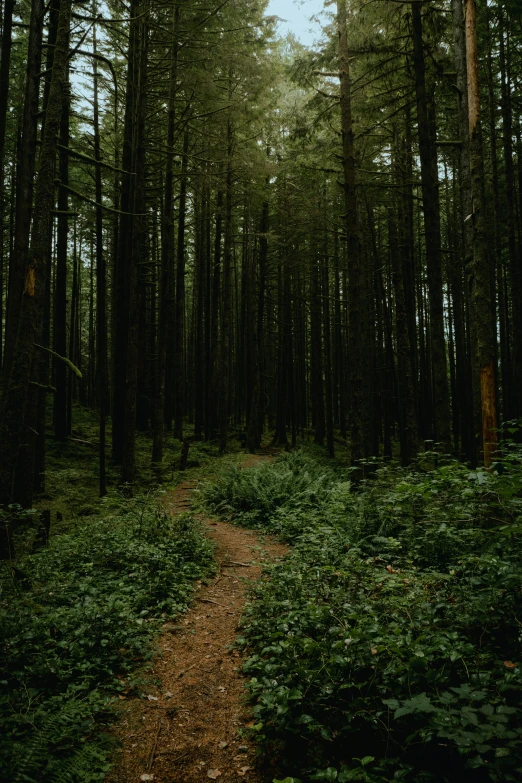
(36, 752)
(80, 767)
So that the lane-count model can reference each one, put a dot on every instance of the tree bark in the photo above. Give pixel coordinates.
(430, 200)
(101, 286)
(485, 357)
(24, 186)
(167, 251)
(32, 309)
(179, 370)
(357, 304)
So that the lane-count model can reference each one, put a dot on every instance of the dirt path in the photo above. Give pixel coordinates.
(189, 728)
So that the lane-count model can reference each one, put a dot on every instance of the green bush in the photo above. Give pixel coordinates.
(387, 645)
(75, 620)
(255, 496)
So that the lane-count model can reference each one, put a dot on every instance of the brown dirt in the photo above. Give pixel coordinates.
(189, 729)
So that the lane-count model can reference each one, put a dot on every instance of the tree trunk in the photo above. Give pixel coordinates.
(101, 285)
(33, 302)
(167, 250)
(430, 200)
(60, 289)
(514, 261)
(133, 243)
(485, 356)
(179, 391)
(358, 358)
(24, 186)
(226, 301)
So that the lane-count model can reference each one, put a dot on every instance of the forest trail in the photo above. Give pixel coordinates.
(188, 727)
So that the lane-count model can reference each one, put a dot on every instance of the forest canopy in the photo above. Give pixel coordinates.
(207, 230)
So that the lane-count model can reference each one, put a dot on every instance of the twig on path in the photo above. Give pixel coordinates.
(244, 565)
(155, 745)
(211, 601)
(180, 674)
(170, 752)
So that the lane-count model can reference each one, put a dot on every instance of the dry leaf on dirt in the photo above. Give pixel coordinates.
(222, 744)
(243, 770)
(152, 698)
(213, 774)
(510, 665)
(146, 776)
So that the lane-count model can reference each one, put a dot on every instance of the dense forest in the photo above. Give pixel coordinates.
(214, 238)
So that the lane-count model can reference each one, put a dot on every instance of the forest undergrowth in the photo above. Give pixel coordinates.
(79, 613)
(387, 645)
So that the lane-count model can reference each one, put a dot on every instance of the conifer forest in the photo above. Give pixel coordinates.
(260, 392)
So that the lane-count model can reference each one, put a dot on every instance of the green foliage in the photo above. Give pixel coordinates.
(74, 628)
(269, 495)
(391, 630)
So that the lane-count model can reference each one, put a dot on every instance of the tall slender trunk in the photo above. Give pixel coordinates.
(471, 410)
(485, 357)
(24, 185)
(5, 63)
(124, 263)
(430, 201)
(167, 251)
(226, 300)
(213, 368)
(327, 356)
(255, 422)
(37, 268)
(179, 391)
(358, 357)
(134, 243)
(60, 289)
(514, 260)
(101, 285)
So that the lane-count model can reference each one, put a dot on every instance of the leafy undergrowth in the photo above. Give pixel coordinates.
(387, 645)
(71, 481)
(76, 620)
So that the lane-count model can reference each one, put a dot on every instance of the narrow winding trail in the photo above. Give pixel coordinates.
(188, 729)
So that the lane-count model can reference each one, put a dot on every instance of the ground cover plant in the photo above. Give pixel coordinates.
(76, 620)
(387, 645)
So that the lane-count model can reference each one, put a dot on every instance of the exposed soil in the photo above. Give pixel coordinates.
(189, 728)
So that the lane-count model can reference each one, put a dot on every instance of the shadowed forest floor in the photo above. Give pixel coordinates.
(189, 726)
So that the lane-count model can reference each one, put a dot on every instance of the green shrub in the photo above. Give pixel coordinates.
(75, 620)
(292, 484)
(387, 645)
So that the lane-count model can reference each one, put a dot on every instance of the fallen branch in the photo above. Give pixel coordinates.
(180, 674)
(211, 601)
(243, 565)
(155, 745)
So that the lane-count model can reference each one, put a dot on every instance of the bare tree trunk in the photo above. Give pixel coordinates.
(33, 302)
(167, 249)
(226, 301)
(514, 261)
(471, 411)
(430, 200)
(179, 391)
(134, 246)
(24, 186)
(485, 356)
(101, 284)
(60, 291)
(358, 358)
